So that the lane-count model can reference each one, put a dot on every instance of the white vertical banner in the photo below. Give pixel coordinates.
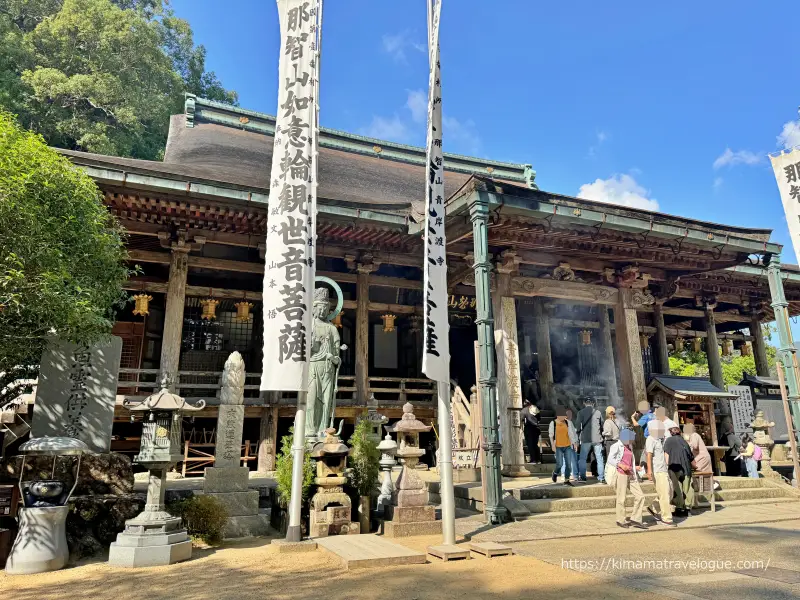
(436, 359)
(787, 173)
(289, 261)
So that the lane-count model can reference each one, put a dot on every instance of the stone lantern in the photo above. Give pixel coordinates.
(388, 448)
(762, 439)
(155, 537)
(331, 507)
(409, 513)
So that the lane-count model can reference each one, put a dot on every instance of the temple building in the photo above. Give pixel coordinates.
(585, 297)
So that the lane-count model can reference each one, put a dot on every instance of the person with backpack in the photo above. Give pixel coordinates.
(750, 454)
(564, 442)
(590, 424)
(680, 462)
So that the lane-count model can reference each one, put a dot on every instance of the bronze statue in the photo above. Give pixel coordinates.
(324, 366)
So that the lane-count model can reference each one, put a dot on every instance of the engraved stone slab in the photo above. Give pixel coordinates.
(229, 436)
(77, 391)
(226, 479)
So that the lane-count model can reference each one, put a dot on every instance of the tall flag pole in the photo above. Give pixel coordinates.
(289, 260)
(436, 358)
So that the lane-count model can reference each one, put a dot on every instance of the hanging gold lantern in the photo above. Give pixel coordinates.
(142, 304)
(697, 344)
(586, 337)
(337, 320)
(209, 309)
(388, 322)
(679, 344)
(644, 340)
(243, 311)
(727, 347)
(747, 349)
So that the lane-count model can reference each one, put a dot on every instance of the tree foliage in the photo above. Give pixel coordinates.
(364, 458)
(100, 75)
(61, 254)
(283, 471)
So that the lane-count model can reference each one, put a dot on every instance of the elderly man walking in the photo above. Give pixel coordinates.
(590, 427)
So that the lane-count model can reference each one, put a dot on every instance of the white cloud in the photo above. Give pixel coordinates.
(392, 129)
(460, 137)
(417, 103)
(730, 158)
(601, 136)
(790, 136)
(718, 181)
(618, 189)
(397, 44)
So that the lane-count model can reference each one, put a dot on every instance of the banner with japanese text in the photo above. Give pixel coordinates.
(291, 227)
(436, 357)
(787, 172)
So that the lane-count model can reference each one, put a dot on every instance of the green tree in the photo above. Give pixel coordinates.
(695, 364)
(61, 254)
(364, 458)
(283, 471)
(100, 75)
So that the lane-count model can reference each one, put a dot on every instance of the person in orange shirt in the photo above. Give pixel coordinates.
(564, 442)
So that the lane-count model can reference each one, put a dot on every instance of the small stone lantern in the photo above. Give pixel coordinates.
(762, 439)
(331, 507)
(409, 513)
(388, 448)
(155, 537)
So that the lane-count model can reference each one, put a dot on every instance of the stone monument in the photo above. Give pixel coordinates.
(409, 513)
(324, 366)
(227, 481)
(763, 440)
(77, 391)
(331, 508)
(388, 448)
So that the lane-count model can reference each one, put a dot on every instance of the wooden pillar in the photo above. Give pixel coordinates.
(544, 355)
(759, 347)
(268, 434)
(661, 338)
(712, 347)
(362, 333)
(509, 389)
(606, 356)
(631, 369)
(173, 313)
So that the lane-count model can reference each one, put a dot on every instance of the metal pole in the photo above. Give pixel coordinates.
(789, 425)
(493, 500)
(446, 465)
(294, 531)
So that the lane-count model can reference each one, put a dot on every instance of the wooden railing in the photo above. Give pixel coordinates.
(136, 384)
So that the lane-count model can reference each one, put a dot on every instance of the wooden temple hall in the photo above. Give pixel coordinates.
(586, 298)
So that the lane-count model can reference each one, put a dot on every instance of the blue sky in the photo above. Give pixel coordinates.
(672, 106)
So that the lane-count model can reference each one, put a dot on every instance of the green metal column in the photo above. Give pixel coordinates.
(786, 350)
(487, 379)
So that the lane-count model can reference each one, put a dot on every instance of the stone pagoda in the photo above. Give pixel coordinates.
(331, 507)
(409, 513)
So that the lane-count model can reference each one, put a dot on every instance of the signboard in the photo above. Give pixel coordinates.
(786, 166)
(77, 391)
(291, 226)
(465, 458)
(742, 413)
(436, 359)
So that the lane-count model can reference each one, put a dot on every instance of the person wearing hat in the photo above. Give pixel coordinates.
(564, 442)
(680, 461)
(623, 470)
(611, 429)
(530, 416)
(658, 473)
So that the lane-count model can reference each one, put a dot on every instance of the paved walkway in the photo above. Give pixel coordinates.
(600, 523)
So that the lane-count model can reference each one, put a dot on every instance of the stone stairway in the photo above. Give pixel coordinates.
(542, 498)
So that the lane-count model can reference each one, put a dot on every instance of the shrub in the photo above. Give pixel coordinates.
(364, 458)
(204, 516)
(283, 471)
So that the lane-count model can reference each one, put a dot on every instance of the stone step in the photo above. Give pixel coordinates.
(543, 505)
(593, 490)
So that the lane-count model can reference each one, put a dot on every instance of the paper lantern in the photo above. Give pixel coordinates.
(388, 322)
(747, 349)
(243, 311)
(142, 304)
(678, 344)
(697, 344)
(644, 340)
(727, 347)
(586, 337)
(209, 309)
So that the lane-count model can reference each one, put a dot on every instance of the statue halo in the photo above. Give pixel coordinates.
(339, 295)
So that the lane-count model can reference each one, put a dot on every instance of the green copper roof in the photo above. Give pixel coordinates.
(202, 110)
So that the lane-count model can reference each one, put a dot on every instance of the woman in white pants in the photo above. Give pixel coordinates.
(621, 467)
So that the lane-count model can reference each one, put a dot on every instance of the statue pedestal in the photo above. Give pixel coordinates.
(230, 485)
